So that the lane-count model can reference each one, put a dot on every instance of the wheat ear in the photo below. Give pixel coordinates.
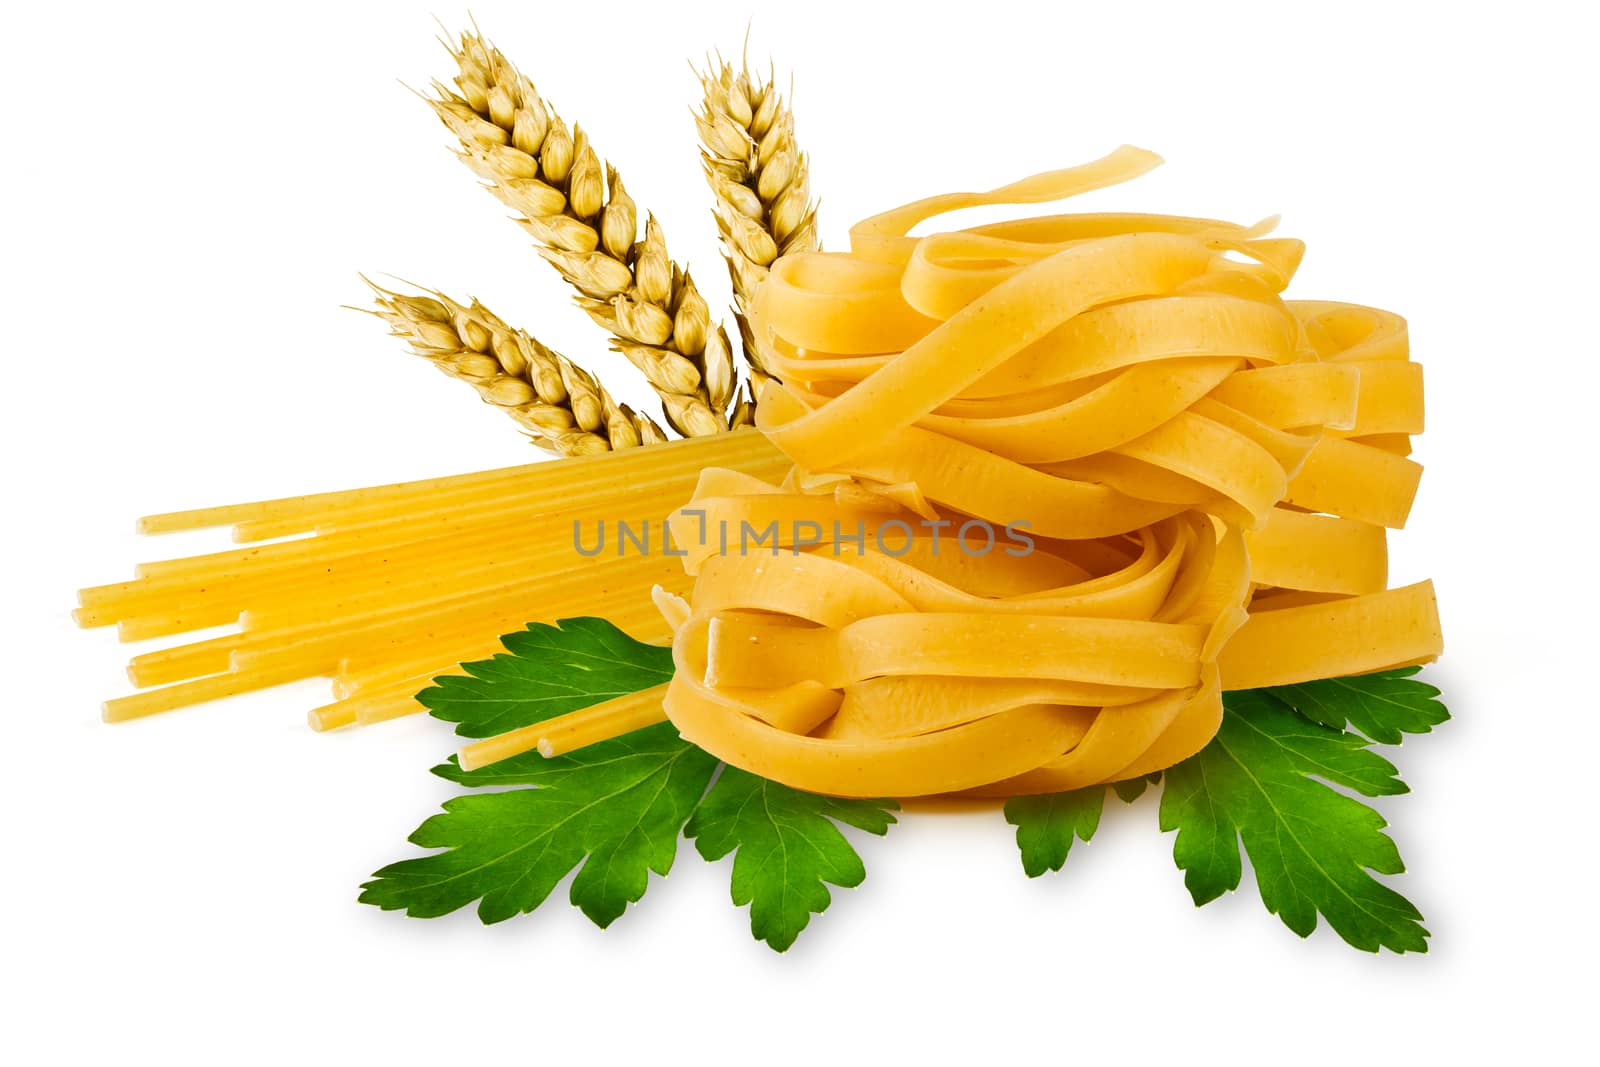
(586, 226)
(761, 182)
(557, 402)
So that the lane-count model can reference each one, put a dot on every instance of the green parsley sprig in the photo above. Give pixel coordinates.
(1279, 776)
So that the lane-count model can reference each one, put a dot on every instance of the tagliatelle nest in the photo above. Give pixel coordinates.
(1148, 407)
(1207, 469)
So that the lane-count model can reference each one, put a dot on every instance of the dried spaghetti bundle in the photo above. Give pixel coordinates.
(383, 588)
(1181, 444)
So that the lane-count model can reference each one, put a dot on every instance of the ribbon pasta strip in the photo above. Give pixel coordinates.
(1204, 470)
(384, 588)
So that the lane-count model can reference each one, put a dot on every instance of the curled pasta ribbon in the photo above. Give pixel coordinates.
(1110, 369)
(841, 661)
(1203, 473)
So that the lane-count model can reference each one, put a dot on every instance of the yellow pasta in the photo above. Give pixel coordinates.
(398, 584)
(1181, 444)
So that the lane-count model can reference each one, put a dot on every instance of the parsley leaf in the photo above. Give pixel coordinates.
(615, 808)
(546, 671)
(1133, 788)
(1048, 823)
(1313, 849)
(1382, 706)
(786, 846)
(1267, 778)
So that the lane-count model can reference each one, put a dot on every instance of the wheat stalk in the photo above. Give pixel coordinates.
(585, 224)
(557, 402)
(761, 182)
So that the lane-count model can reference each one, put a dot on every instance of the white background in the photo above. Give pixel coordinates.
(189, 193)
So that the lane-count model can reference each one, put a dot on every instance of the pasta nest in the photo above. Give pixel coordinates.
(1058, 482)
